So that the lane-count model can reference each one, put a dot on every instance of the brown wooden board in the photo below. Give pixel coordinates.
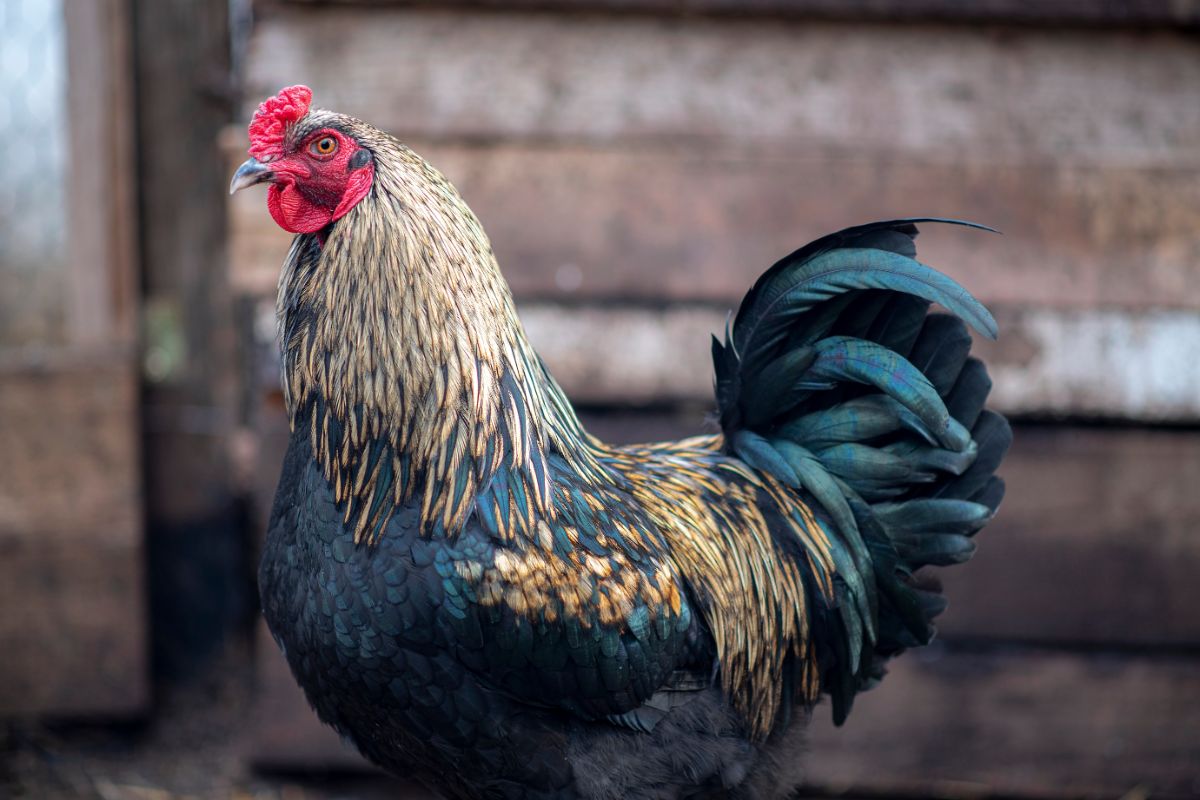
(1098, 541)
(1088, 12)
(1086, 363)
(1014, 96)
(1025, 723)
(699, 224)
(635, 157)
(1101, 364)
(103, 285)
(73, 632)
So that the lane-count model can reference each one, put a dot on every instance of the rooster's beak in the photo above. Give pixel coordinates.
(250, 173)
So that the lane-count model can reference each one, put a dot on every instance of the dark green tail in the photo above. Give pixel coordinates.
(834, 378)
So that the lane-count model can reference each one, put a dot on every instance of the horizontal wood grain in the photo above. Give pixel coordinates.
(1018, 723)
(1097, 542)
(701, 224)
(1107, 364)
(1005, 94)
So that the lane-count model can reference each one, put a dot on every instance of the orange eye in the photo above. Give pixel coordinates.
(325, 146)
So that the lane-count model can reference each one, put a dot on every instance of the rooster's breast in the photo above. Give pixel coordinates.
(361, 629)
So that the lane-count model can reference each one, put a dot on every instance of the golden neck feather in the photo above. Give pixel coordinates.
(399, 330)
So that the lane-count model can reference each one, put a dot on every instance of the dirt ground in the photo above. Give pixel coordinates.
(190, 749)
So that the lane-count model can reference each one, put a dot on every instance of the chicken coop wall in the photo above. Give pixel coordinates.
(637, 163)
(73, 636)
(636, 171)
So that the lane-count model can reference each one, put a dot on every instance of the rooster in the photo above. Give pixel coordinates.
(478, 594)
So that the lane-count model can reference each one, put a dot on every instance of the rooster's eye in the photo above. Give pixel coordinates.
(325, 146)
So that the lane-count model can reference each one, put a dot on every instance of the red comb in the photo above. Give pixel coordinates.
(270, 122)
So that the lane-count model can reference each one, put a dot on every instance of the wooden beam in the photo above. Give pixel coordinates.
(1102, 365)
(73, 581)
(102, 278)
(1097, 543)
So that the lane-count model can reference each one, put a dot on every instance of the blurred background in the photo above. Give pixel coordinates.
(637, 163)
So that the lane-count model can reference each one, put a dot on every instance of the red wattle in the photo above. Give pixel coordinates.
(295, 213)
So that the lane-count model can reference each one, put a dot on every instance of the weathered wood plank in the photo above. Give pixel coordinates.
(1094, 12)
(1098, 541)
(1015, 95)
(1076, 363)
(942, 723)
(73, 635)
(1097, 363)
(702, 224)
(102, 287)
(1034, 723)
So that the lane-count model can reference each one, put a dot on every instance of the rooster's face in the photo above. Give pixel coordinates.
(317, 170)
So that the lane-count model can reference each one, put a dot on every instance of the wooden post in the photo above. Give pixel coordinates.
(199, 579)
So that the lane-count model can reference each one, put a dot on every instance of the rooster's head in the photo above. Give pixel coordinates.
(317, 169)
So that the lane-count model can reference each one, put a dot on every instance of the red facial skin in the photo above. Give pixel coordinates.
(310, 189)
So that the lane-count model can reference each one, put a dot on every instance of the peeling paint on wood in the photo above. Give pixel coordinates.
(1140, 366)
(1098, 363)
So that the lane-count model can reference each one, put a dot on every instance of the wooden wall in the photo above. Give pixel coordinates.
(638, 167)
(72, 632)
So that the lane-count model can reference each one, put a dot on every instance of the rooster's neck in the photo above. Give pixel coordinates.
(404, 356)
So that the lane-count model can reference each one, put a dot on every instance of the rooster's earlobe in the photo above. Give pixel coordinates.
(360, 159)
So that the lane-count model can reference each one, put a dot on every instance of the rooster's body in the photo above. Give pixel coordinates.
(477, 593)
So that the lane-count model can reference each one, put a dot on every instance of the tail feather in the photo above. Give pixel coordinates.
(969, 393)
(834, 378)
(941, 352)
(992, 436)
(991, 495)
(898, 324)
